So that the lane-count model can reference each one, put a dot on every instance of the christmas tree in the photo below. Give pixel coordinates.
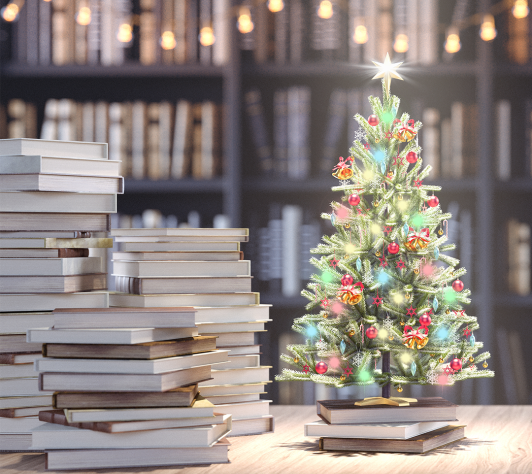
(386, 301)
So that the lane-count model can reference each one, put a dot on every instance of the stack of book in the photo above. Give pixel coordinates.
(125, 381)
(419, 427)
(203, 268)
(55, 200)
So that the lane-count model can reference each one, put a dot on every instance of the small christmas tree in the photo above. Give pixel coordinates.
(385, 290)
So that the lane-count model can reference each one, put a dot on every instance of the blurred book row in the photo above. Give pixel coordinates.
(152, 140)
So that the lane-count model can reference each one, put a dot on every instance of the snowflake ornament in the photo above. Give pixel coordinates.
(360, 134)
(357, 360)
(432, 377)
(387, 323)
(321, 345)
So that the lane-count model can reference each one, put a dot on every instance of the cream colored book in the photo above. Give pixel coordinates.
(20, 322)
(30, 164)
(23, 242)
(53, 284)
(57, 148)
(244, 410)
(180, 232)
(191, 246)
(61, 183)
(7, 403)
(181, 256)
(182, 269)
(48, 302)
(229, 327)
(49, 266)
(232, 314)
(190, 299)
(236, 376)
(195, 284)
(58, 202)
(240, 362)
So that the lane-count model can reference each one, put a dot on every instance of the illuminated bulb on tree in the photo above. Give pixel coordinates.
(325, 10)
(275, 5)
(354, 199)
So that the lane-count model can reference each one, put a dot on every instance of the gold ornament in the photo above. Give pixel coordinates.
(325, 315)
(440, 360)
(342, 378)
(350, 294)
(390, 338)
(432, 355)
(471, 359)
(399, 389)
(402, 323)
(377, 140)
(407, 296)
(352, 333)
(347, 226)
(296, 360)
(447, 311)
(377, 254)
(400, 197)
(376, 203)
(416, 270)
(440, 232)
(485, 364)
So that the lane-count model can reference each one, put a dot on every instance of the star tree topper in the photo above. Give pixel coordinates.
(387, 70)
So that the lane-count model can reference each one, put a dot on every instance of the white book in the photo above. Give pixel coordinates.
(229, 327)
(182, 137)
(138, 120)
(112, 366)
(191, 299)
(182, 269)
(457, 143)
(239, 350)
(371, 9)
(21, 322)
(190, 246)
(428, 31)
(446, 153)
(372, 431)
(235, 376)
(232, 314)
(19, 425)
(180, 256)
(504, 139)
(107, 336)
(413, 20)
(28, 242)
(20, 386)
(165, 120)
(244, 410)
(66, 149)
(197, 233)
(25, 401)
(42, 234)
(58, 202)
(253, 426)
(63, 183)
(240, 362)
(48, 302)
(17, 370)
(221, 25)
(26, 164)
(292, 217)
(232, 389)
(54, 436)
(49, 126)
(50, 266)
(182, 238)
(238, 398)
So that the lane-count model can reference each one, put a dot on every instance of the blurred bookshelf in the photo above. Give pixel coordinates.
(294, 59)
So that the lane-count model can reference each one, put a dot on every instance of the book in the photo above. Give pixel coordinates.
(280, 137)
(196, 284)
(20, 386)
(52, 165)
(335, 127)
(425, 409)
(503, 136)
(238, 350)
(232, 314)
(373, 430)
(25, 401)
(72, 318)
(16, 442)
(292, 217)
(34, 221)
(16, 358)
(21, 412)
(56, 148)
(235, 376)
(209, 391)
(107, 336)
(181, 149)
(19, 425)
(117, 458)
(419, 444)
(43, 253)
(23, 241)
(198, 234)
(518, 40)
(230, 327)
(431, 140)
(49, 266)
(53, 284)
(17, 370)
(58, 417)
(21, 322)
(126, 366)
(177, 397)
(148, 350)
(253, 426)
(298, 132)
(57, 202)
(48, 302)
(51, 381)
(165, 246)
(16, 343)
(235, 339)
(54, 436)
(192, 299)
(259, 132)
(182, 256)
(166, 268)
(241, 361)
(61, 183)
(244, 410)
(236, 398)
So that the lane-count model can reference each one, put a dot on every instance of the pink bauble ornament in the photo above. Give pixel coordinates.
(393, 248)
(411, 157)
(373, 120)
(425, 319)
(354, 199)
(371, 332)
(433, 201)
(321, 367)
(458, 285)
(347, 280)
(456, 364)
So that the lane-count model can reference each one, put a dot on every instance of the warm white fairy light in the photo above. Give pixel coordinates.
(83, 17)
(350, 248)
(275, 5)
(520, 9)
(360, 35)
(325, 10)
(245, 25)
(206, 36)
(452, 43)
(125, 33)
(401, 43)
(487, 29)
(168, 40)
(10, 12)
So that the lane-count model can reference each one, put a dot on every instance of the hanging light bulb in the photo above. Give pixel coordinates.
(125, 33)
(325, 10)
(275, 5)
(83, 17)
(520, 9)
(360, 36)
(452, 43)
(206, 36)
(487, 29)
(401, 43)
(10, 12)
(245, 25)
(168, 40)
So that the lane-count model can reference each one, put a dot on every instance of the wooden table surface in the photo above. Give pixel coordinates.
(499, 440)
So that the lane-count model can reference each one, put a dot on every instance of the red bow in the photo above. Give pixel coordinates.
(343, 164)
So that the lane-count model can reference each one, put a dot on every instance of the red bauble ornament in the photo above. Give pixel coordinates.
(393, 248)
(425, 319)
(458, 285)
(354, 199)
(433, 201)
(371, 332)
(411, 157)
(456, 364)
(347, 280)
(373, 120)
(321, 367)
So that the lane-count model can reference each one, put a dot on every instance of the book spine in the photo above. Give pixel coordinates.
(297, 31)
(138, 124)
(153, 131)
(371, 14)
(384, 28)
(192, 31)
(280, 111)
(335, 127)
(45, 32)
(221, 24)
(180, 31)
(258, 129)
(165, 137)
(291, 230)
(518, 44)
(208, 112)
(281, 34)
(32, 31)
(413, 13)
(205, 19)
(261, 52)
(528, 138)
(457, 132)
(356, 15)
(148, 33)
(428, 31)
(166, 11)
(431, 140)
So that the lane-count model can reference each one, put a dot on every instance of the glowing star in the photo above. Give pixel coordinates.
(334, 262)
(418, 183)
(411, 311)
(377, 300)
(384, 263)
(348, 371)
(387, 71)
(467, 332)
(306, 368)
(400, 264)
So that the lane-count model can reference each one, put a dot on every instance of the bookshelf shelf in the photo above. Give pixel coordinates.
(515, 185)
(187, 185)
(514, 301)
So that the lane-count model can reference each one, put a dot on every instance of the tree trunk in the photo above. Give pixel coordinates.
(386, 368)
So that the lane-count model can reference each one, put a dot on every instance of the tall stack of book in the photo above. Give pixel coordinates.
(203, 268)
(126, 392)
(412, 427)
(55, 200)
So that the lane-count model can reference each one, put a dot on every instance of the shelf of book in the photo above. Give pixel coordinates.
(177, 186)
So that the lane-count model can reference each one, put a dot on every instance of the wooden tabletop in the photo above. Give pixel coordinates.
(499, 440)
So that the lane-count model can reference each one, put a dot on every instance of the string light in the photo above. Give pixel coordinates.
(401, 43)
(125, 33)
(168, 40)
(206, 36)
(452, 43)
(275, 5)
(83, 17)
(520, 9)
(487, 29)
(360, 36)
(325, 10)
(245, 25)
(10, 12)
